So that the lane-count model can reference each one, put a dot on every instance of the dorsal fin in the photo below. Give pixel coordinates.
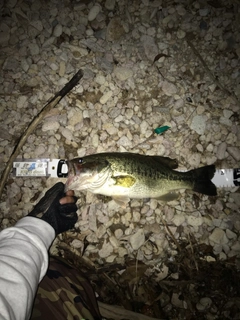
(168, 162)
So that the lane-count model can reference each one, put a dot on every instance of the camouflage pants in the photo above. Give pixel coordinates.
(65, 294)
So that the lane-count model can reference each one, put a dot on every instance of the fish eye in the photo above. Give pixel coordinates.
(80, 160)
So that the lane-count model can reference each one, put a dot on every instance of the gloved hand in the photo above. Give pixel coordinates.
(61, 217)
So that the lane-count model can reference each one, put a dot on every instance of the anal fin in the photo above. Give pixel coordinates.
(121, 200)
(170, 196)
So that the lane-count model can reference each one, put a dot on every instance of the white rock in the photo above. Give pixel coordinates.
(123, 73)
(179, 219)
(236, 246)
(150, 47)
(93, 12)
(198, 124)
(136, 216)
(122, 252)
(49, 41)
(67, 133)
(236, 197)
(181, 34)
(217, 236)
(24, 65)
(50, 126)
(62, 68)
(77, 244)
(110, 4)
(106, 97)
(37, 24)
(181, 10)
(204, 12)
(199, 147)
(194, 159)
(234, 152)
(109, 127)
(144, 126)
(178, 302)
(118, 233)
(227, 113)
(39, 150)
(225, 121)
(204, 304)
(124, 141)
(128, 113)
(221, 150)
(114, 242)
(95, 140)
(230, 234)
(200, 109)
(194, 221)
(21, 102)
(169, 88)
(106, 250)
(92, 218)
(34, 49)
(137, 239)
(100, 79)
(57, 31)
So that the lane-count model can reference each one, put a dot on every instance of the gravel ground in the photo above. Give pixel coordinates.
(146, 64)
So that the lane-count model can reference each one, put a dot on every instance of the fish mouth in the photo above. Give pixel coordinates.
(71, 175)
(71, 168)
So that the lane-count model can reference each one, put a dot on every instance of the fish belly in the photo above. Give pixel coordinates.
(139, 190)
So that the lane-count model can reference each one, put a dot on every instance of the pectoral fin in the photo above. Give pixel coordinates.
(171, 196)
(124, 181)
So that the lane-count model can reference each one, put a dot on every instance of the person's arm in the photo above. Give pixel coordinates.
(23, 263)
(24, 250)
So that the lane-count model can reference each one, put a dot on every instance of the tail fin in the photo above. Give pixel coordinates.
(202, 180)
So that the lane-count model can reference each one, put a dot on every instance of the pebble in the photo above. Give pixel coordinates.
(100, 79)
(195, 221)
(230, 234)
(123, 73)
(67, 133)
(198, 124)
(124, 141)
(37, 24)
(181, 34)
(194, 160)
(93, 12)
(169, 88)
(115, 29)
(221, 151)
(204, 303)
(179, 219)
(106, 250)
(150, 47)
(217, 236)
(57, 31)
(110, 4)
(204, 12)
(234, 152)
(34, 49)
(137, 239)
(4, 34)
(105, 97)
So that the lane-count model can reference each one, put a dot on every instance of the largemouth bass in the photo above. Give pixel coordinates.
(129, 175)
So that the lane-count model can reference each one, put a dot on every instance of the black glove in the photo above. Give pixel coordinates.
(61, 217)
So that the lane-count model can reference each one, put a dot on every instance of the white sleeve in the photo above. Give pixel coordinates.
(23, 263)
